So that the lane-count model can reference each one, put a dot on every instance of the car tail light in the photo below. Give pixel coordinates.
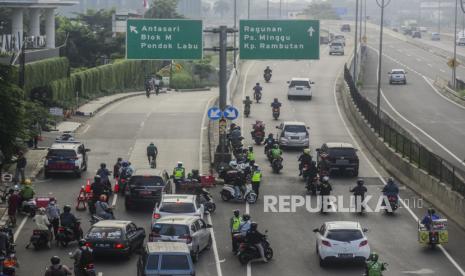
(326, 243)
(187, 237)
(36, 232)
(156, 215)
(363, 243)
(119, 246)
(90, 266)
(88, 244)
(61, 229)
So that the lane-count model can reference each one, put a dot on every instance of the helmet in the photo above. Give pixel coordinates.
(270, 135)
(125, 164)
(275, 99)
(325, 179)
(258, 84)
(374, 256)
(233, 164)
(245, 217)
(103, 165)
(179, 164)
(103, 198)
(307, 151)
(253, 226)
(247, 97)
(55, 260)
(390, 180)
(97, 178)
(431, 211)
(236, 212)
(119, 159)
(152, 144)
(82, 242)
(41, 210)
(67, 208)
(360, 182)
(276, 146)
(250, 148)
(27, 182)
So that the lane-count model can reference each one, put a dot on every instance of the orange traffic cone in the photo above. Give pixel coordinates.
(116, 189)
(81, 200)
(88, 189)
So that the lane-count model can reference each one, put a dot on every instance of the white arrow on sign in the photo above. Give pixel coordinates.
(133, 29)
(215, 113)
(230, 113)
(310, 31)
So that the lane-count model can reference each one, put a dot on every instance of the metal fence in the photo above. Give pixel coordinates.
(403, 143)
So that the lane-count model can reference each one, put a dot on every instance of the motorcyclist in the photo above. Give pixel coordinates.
(373, 267)
(152, 152)
(194, 175)
(258, 127)
(359, 191)
(276, 152)
(305, 159)
(250, 154)
(235, 134)
(325, 190)
(267, 70)
(269, 142)
(117, 167)
(104, 174)
(97, 188)
(256, 238)
(276, 104)
(428, 219)
(102, 209)
(391, 188)
(247, 102)
(234, 226)
(82, 257)
(256, 179)
(179, 174)
(27, 191)
(245, 224)
(53, 215)
(125, 171)
(257, 91)
(42, 224)
(68, 220)
(57, 269)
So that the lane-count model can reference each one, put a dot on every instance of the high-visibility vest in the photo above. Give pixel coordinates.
(178, 173)
(257, 176)
(374, 268)
(236, 223)
(251, 156)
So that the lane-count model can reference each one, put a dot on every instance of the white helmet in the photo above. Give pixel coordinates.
(233, 164)
(325, 179)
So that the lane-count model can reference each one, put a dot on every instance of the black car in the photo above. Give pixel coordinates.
(345, 28)
(115, 237)
(146, 185)
(340, 157)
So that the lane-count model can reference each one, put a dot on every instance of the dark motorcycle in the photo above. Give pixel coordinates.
(277, 165)
(258, 136)
(90, 270)
(248, 252)
(276, 113)
(267, 77)
(66, 235)
(312, 185)
(257, 96)
(207, 200)
(305, 172)
(39, 239)
(247, 110)
(393, 202)
(29, 207)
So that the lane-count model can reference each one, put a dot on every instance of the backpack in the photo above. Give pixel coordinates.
(51, 271)
(86, 257)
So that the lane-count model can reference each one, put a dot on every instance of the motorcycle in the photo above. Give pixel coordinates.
(247, 110)
(66, 235)
(89, 270)
(277, 165)
(393, 202)
(437, 233)
(29, 207)
(267, 77)
(207, 200)
(248, 252)
(147, 92)
(39, 239)
(258, 135)
(257, 96)
(228, 193)
(10, 264)
(276, 113)
(312, 185)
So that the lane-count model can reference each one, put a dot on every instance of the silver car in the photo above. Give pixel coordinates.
(397, 76)
(293, 135)
(187, 229)
(177, 205)
(336, 47)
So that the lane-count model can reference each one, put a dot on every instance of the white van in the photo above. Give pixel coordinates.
(299, 88)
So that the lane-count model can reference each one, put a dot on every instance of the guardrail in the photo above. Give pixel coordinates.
(398, 139)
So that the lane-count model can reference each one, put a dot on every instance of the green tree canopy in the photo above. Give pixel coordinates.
(321, 10)
(163, 9)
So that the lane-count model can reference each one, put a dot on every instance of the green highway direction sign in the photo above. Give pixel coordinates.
(164, 39)
(279, 39)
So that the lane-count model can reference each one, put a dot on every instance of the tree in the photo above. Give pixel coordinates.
(321, 10)
(163, 9)
(221, 7)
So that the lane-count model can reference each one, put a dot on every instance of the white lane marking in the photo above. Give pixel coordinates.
(450, 258)
(100, 274)
(85, 129)
(442, 70)
(16, 235)
(417, 127)
(428, 81)
(115, 198)
(212, 233)
(419, 59)
(430, 65)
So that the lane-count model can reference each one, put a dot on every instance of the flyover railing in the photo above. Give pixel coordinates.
(403, 143)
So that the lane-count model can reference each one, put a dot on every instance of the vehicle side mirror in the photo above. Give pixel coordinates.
(389, 73)
(277, 127)
(365, 230)
(209, 226)
(308, 127)
(312, 82)
(288, 81)
(316, 230)
(87, 150)
(318, 150)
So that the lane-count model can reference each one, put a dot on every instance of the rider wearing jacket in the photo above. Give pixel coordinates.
(257, 90)
(276, 103)
(104, 174)
(267, 70)
(276, 152)
(391, 188)
(429, 218)
(305, 159)
(247, 102)
(256, 238)
(68, 220)
(373, 267)
(269, 142)
(359, 191)
(152, 152)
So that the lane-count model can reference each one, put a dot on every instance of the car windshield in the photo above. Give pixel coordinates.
(295, 128)
(61, 152)
(110, 233)
(336, 44)
(146, 180)
(397, 72)
(344, 235)
(341, 151)
(299, 83)
(177, 207)
(171, 229)
(174, 262)
(339, 37)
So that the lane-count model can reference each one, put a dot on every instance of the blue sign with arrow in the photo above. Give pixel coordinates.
(231, 113)
(214, 113)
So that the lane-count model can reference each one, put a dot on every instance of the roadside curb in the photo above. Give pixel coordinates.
(193, 89)
(450, 94)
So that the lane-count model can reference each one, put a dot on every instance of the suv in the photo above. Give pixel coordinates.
(338, 157)
(336, 47)
(178, 205)
(345, 28)
(299, 87)
(165, 258)
(397, 76)
(146, 185)
(460, 41)
(190, 230)
(293, 134)
(67, 157)
(416, 34)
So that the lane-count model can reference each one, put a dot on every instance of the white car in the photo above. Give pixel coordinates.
(340, 38)
(293, 135)
(460, 41)
(336, 48)
(177, 205)
(397, 76)
(341, 240)
(186, 229)
(299, 88)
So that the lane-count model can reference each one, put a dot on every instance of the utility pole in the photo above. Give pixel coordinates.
(356, 42)
(382, 5)
(365, 17)
(248, 9)
(360, 23)
(235, 37)
(454, 65)
(280, 9)
(267, 9)
(439, 16)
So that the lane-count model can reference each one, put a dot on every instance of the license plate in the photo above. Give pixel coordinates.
(102, 245)
(295, 137)
(299, 88)
(345, 255)
(342, 162)
(145, 193)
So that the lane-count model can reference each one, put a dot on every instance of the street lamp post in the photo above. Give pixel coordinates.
(382, 5)
(267, 9)
(248, 9)
(439, 16)
(356, 42)
(235, 26)
(454, 65)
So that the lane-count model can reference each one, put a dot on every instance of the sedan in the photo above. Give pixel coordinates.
(178, 205)
(115, 237)
(341, 240)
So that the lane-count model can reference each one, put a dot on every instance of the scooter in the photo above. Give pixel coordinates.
(89, 270)
(248, 252)
(312, 185)
(247, 110)
(207, 200)
(394, 203)
(39, 239)
(228, 193)
(257, 96)
(29, 207)
(267, 77)
(258, 136)
(277, 165)
(276, 112)
(66, 235)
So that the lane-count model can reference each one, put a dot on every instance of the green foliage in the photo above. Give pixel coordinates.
(102, 80)
(184, 80)
(36, 116)
(321, 10)
(163, 9)
(203, 68)
(41, 73)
